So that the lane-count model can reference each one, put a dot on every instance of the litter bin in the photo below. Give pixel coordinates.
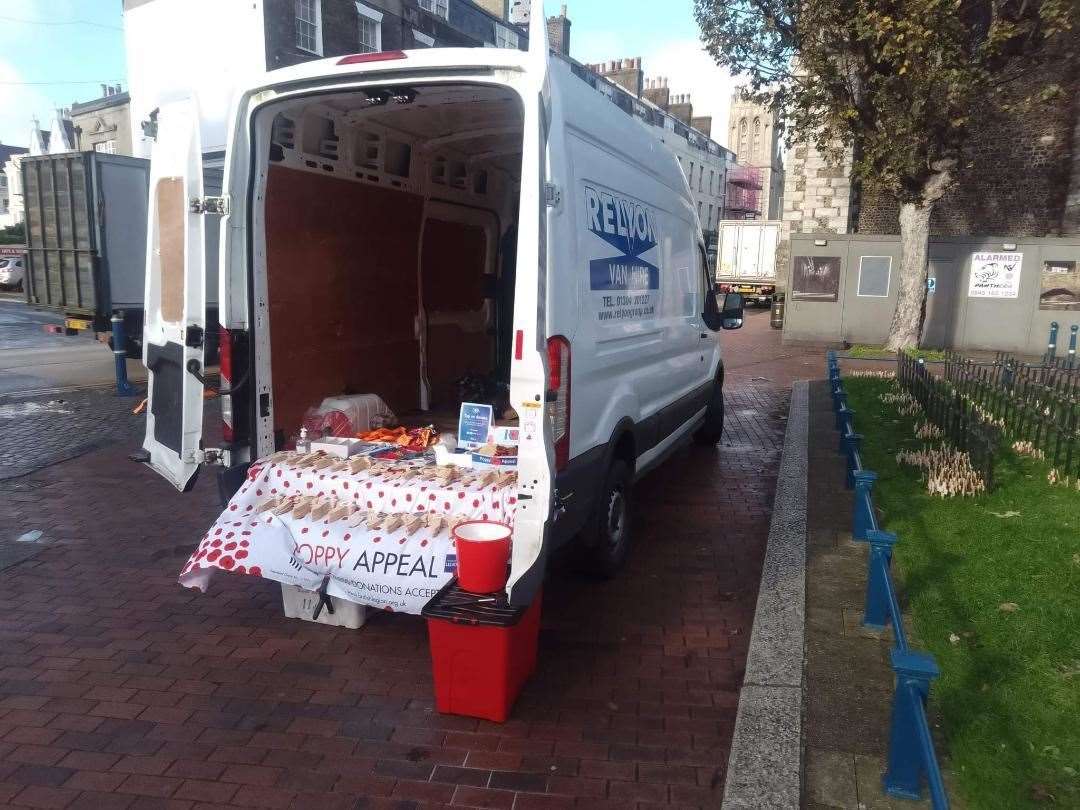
(482, 651)
(776, 320)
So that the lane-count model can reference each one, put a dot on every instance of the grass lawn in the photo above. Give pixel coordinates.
(863, 351)
(1009, 692)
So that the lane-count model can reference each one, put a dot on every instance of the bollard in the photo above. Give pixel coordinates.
(907, 761)
(1072, 344)
(1051, 344)
(119, 343)
(864, 519)
(877, 613)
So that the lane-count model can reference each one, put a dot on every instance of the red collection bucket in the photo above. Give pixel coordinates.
(483, 551)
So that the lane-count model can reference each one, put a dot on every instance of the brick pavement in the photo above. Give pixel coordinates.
(41, 431)
(120, 689)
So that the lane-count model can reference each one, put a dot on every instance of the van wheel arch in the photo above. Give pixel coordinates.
(712, 430)
(607, 533)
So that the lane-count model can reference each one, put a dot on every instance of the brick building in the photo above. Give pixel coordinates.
(250, 37)
(300, 30)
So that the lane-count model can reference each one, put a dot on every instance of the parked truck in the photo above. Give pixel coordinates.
(746, 259)
(86, 215)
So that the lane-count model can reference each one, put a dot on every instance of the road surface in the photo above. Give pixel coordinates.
(33, 360)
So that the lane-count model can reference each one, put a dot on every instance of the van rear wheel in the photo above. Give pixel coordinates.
(611, 522)
(712, 430)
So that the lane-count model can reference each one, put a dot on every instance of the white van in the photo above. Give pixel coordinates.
(391, 221)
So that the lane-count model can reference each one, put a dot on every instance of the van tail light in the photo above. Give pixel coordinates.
(225, 347)
(558, 349)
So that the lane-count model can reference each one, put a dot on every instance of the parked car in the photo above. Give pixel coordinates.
(450, 210)
(11, 273)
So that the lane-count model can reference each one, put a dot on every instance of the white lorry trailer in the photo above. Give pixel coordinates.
(746, 259)
(391, 220)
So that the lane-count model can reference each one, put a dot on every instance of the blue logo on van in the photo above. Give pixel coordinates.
(628, 226)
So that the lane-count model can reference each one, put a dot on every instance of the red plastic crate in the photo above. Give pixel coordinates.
(479, 668)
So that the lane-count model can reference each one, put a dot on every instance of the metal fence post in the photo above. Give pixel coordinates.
(876, 613)
(1072, 344)
(849, 446)
(844, 417)
(906, 765)
(839, 395)
(1051, 344)
(119, 350)
(864, 506)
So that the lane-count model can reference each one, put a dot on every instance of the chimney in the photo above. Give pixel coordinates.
(104, 90)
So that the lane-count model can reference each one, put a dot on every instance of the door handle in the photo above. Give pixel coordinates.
(704, 334)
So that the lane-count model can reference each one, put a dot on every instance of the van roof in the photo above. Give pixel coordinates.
(418, 60)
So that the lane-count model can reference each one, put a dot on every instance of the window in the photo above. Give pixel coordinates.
(309, 26)
(712, 181)
(690, 173)
(108, 147)
(422, 40)
(701, 178)
(437, 7)
(370, 22)
(505, 37)
(708, 220)
(874, 272)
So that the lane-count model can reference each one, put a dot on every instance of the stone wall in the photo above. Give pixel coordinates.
(816, 199)
(1015, 179)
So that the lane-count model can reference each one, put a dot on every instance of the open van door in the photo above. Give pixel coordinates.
(175, 318)
(529, 369)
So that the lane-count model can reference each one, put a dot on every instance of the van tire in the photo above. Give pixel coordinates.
(712, 430)
(611, 522)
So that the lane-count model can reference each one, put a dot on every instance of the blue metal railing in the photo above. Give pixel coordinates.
(912, 759)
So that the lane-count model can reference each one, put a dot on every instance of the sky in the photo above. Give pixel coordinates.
(45, 64)
(57, 52)
(665, 36)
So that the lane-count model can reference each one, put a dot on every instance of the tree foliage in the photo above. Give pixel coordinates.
(900, 83)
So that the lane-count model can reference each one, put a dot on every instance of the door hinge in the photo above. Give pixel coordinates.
(552, 195)
(211, 455)
(194, 336)
(218, 206)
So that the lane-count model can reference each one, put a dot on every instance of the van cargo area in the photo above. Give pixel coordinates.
(387, 219)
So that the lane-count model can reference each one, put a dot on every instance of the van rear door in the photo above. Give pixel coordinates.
(175, 325)
(529, 375)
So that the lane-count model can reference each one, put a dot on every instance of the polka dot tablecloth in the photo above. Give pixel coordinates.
(392, 570)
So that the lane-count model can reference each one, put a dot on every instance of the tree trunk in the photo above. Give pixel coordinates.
(906, 328)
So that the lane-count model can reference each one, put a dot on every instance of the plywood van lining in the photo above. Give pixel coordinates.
(392, 287)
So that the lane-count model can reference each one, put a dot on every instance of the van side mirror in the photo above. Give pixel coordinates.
(711, 316)
(731, 313)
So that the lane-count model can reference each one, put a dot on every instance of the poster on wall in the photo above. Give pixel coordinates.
(815, 278)
(995, 275)
(1059, 286)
